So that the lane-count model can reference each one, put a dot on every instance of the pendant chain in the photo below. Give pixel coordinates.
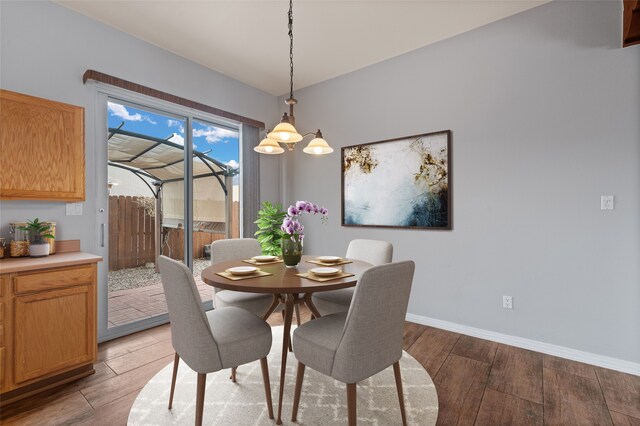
(291, 46)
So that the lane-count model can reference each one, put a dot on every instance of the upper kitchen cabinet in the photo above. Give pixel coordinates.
(42, 149)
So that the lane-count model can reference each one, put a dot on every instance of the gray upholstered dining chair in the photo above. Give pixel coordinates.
(256, 303)
(371, 251)
(234, 249)
(352, 346)
(210, 341)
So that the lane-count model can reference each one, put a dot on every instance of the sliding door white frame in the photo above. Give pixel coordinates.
(102, 94)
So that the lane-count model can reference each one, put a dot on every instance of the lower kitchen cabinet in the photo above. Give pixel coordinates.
(48, 330)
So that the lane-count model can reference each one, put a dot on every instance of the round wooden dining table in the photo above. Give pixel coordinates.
(287, 288)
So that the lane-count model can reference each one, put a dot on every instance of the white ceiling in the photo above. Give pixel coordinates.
(248, 41)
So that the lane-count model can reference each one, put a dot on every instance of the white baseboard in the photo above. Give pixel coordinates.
(534, 345)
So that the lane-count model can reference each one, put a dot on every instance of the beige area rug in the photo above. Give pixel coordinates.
(323, 400)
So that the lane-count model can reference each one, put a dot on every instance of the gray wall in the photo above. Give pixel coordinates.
(544, 107)
(544, 111)
(46, 48)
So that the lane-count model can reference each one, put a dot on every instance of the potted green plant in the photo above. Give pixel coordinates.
(269, 234)
(37, 232)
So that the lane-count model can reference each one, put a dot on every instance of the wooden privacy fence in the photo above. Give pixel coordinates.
(132, 234)
(174, 242)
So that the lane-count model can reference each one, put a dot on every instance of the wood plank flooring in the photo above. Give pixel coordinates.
(478, 383)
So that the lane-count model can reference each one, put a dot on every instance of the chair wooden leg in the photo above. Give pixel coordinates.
(351, 403)
(267, 385)
(202, 384)
(396, 372)
(176, 361)
(233, 374)
(298, 391)
(298, 314)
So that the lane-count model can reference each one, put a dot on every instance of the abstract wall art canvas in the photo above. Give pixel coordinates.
(398, 183)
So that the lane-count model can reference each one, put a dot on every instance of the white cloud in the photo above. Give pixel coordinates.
(214, 134)
(176, 138)
(122, 112)
(233, 164)
(176, 123)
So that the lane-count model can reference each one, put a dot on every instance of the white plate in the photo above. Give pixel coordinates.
(264, 258)
(242, 270)
(324, 272)
(328, 259)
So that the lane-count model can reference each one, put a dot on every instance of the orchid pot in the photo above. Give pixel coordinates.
(291, 251)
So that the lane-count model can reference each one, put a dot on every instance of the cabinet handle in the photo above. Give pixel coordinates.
(102, 235)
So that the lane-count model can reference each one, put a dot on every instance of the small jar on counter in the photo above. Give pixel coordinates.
(1, 248)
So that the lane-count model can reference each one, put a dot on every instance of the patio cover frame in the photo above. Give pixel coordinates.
(214, 167)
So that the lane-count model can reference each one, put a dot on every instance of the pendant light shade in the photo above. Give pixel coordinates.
(285, 132)
(318, 146)
(269, 146)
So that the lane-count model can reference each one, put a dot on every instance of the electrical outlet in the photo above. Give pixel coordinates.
(606, 202)
(507, 302)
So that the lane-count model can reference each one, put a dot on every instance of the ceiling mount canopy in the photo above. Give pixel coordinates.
(285, 132)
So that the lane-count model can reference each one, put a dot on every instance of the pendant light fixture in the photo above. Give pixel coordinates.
(285, 132)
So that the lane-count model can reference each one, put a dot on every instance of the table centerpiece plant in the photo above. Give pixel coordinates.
(293, 230)
(269, 234)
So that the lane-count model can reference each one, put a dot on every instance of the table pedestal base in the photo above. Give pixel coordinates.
(291, 301)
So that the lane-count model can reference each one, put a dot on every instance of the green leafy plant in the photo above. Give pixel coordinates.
(269, 234)
(37, 230)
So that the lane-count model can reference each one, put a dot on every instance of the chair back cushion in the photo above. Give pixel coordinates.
(372, 336)
(190, 332)
(233, 249)
(371, 251)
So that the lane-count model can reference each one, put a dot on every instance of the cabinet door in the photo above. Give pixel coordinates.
(42, 145)
(56, 331)
(2, 374)
(4, 332)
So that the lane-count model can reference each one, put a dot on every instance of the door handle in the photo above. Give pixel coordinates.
(102, 235)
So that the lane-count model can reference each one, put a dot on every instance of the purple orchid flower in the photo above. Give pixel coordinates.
(291, 226)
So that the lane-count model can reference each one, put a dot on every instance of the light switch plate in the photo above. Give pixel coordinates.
(606, 202)
(74, 209)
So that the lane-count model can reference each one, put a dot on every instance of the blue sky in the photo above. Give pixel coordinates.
(223, 143)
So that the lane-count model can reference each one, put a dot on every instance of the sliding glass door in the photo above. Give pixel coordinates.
(216, 203)
(171, 188)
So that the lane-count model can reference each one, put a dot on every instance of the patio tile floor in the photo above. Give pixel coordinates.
(144, 302)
